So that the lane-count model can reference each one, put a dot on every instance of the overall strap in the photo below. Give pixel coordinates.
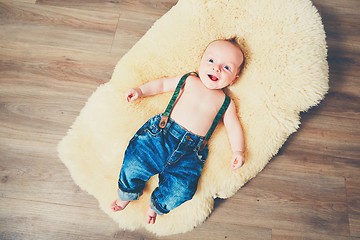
(217, 119)
(166, 114)
(218, 116)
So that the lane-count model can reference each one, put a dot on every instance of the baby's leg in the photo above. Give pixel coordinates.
(151, 216)
(119, 205)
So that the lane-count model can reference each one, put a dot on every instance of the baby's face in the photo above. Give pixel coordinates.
(219, 65)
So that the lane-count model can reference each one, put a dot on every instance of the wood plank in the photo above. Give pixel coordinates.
(26, 1)
(341, 20)
(208, 230)
(289, 201)
(292, 235)
(57, 26)
(25, 219)
(337, 139)
(22, 219)
(47, 85)
(41, 63)
(314, 163)
(216, 230)
(38, 89)
(144, 7)
(353, 196)
(109, 6)
(148, 6)
(131, 27)
(136, 18)
(26, 176)
(344, 75)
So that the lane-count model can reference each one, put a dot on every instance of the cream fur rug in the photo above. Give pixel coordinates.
(286, 73)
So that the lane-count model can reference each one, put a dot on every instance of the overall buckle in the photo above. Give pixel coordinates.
(163, 121)
(203, 144)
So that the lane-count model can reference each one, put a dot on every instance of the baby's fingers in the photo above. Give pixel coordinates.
(131, 95)
(236, 163)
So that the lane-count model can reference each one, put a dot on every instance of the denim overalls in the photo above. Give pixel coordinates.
(161, 146)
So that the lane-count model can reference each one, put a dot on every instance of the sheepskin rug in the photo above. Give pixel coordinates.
(286, 72)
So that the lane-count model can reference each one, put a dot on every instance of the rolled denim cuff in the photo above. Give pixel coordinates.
(156, 207)
(128, 196)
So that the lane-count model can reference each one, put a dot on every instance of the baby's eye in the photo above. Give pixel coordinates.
(227, 68)
(211, 60)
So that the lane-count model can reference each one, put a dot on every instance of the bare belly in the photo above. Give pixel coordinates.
(196, 122)
(197, 107)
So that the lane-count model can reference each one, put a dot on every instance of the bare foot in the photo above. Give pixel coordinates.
(151, 216)
(119, 205)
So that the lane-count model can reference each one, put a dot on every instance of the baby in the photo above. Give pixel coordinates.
(176, 147)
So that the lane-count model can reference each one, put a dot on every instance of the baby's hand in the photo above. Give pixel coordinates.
(238, 160)
(133, 94)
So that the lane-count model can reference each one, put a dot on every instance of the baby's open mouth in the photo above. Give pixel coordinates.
(212, 77)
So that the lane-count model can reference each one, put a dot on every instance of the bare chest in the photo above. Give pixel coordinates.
(196, 109)
(206, 105)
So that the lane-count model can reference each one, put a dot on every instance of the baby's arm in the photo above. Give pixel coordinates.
(152, 88)
(236, 136)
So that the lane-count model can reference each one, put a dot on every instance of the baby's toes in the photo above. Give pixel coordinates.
(151, 216)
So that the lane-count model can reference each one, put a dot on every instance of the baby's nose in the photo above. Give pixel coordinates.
(216, 68)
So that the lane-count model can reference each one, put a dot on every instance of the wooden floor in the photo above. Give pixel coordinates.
(53, 55)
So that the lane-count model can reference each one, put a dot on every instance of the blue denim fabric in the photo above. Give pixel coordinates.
(173, 153)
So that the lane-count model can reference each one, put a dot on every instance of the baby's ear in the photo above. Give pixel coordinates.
(234, 80)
